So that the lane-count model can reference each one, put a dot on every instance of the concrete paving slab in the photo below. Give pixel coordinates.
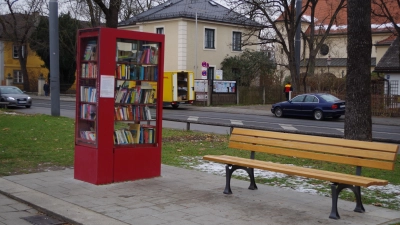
(181, 196)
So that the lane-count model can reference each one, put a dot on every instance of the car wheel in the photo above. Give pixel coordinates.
(28, 106)
(278, 112)
(318, 115)
(175, 106)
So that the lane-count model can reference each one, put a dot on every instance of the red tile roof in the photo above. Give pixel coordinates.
(325, 9)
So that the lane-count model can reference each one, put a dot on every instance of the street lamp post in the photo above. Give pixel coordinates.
(54, 58)
(328, 62)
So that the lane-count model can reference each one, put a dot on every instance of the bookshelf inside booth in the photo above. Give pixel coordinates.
(136, 84)
(117, 106)
(182, 78)
(87, 107)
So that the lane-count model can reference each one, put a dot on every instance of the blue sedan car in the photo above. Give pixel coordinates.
(317, 105)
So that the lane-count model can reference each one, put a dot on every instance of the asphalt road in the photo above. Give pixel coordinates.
(222, 121)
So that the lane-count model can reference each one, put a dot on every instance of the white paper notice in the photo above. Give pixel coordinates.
(106, 86)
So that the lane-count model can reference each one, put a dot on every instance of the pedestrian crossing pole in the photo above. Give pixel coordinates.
(54, 59)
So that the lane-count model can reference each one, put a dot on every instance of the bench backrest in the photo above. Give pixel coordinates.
(351, 152)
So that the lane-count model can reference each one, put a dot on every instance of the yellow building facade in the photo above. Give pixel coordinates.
(10, 66)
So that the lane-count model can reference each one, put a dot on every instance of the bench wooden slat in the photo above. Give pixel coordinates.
(319, 140)
(299, 168)
(317, 156)
(298, 171)
(316, 147)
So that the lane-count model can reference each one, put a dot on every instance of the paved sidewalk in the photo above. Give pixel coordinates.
(179, 196)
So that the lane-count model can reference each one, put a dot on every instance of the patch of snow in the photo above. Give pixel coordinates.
(388, 189)
(218, 168)
(296, 183)
(343, 27)
(308, 18)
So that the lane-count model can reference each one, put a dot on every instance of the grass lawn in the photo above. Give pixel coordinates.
(36, 143)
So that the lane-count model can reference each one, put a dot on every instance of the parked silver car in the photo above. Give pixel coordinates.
(14, 96)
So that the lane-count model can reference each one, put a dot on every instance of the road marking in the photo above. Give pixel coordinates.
(193, 118)
(287, 127)
(297, 125)
(341, 130)
(236, 122)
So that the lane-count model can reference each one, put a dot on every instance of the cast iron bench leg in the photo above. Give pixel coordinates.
(229, 169)
(335, 195)
(253, 185)
(359, 206)
(336, 189)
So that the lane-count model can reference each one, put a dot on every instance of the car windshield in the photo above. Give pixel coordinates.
(329, 98)
(10, 90)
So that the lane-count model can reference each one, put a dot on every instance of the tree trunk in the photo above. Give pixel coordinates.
(358, 124)
(310, 69)
(112, 15)
(22, 58)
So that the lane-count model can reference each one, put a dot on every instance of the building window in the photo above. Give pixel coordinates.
(15, 51)
(209, 38)
(237, 41)
(160, 30)
(18, 78)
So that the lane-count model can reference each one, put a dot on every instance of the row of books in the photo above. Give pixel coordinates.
(149, 55)
(136, 95)
(135, 72)
(88, 111)
(136, 134)
(89, 70)
(88, 135)
(88, 94)
(132, 113)
(90, 50)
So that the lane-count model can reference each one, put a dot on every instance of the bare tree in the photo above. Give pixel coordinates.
(389, 10)
(278, 19)
(110, 11)
(131, 8)
(318, 33)
(358, 124)
(17, 24)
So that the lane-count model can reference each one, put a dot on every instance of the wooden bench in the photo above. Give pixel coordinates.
(343, 151)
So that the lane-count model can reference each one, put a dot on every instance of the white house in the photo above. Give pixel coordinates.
(195, 32)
